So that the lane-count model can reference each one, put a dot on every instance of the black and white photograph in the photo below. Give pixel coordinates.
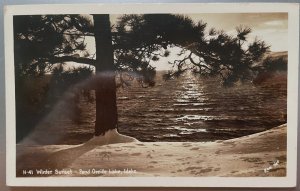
(152, 92)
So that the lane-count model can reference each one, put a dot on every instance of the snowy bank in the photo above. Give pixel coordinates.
(261, 154)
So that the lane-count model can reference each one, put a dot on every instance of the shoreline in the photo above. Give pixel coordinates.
(260, 154)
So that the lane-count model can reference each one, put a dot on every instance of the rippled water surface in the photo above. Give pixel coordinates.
(191, 109)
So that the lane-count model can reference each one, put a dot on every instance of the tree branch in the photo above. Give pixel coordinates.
(85, 34)
(78, 34)
(199, 64)
(72, 59)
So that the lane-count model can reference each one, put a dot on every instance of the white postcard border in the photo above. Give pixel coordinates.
(292, 105)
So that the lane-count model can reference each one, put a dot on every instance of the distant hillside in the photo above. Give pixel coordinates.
(283, 54)
(275, 65)
(275, 61)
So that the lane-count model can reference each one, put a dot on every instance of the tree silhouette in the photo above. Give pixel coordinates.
(129, 47)
(231, 58)
(40, 42)
(106, 104)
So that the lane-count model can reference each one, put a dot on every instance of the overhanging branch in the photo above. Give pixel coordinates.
(78, 34)
(72, 59)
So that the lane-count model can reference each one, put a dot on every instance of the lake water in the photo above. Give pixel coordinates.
(190, 109)
(194, 109)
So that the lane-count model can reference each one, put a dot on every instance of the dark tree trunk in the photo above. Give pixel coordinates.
(106, 106)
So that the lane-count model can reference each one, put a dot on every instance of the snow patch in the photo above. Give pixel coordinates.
(110, 137)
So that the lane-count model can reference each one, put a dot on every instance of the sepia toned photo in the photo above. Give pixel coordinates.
(152, 95)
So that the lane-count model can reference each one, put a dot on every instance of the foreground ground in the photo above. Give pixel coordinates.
(261, 154)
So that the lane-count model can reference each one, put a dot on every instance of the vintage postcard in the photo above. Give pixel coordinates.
(175, 95)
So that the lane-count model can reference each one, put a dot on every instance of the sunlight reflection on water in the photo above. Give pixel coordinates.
(189, 109)
(194, 109)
